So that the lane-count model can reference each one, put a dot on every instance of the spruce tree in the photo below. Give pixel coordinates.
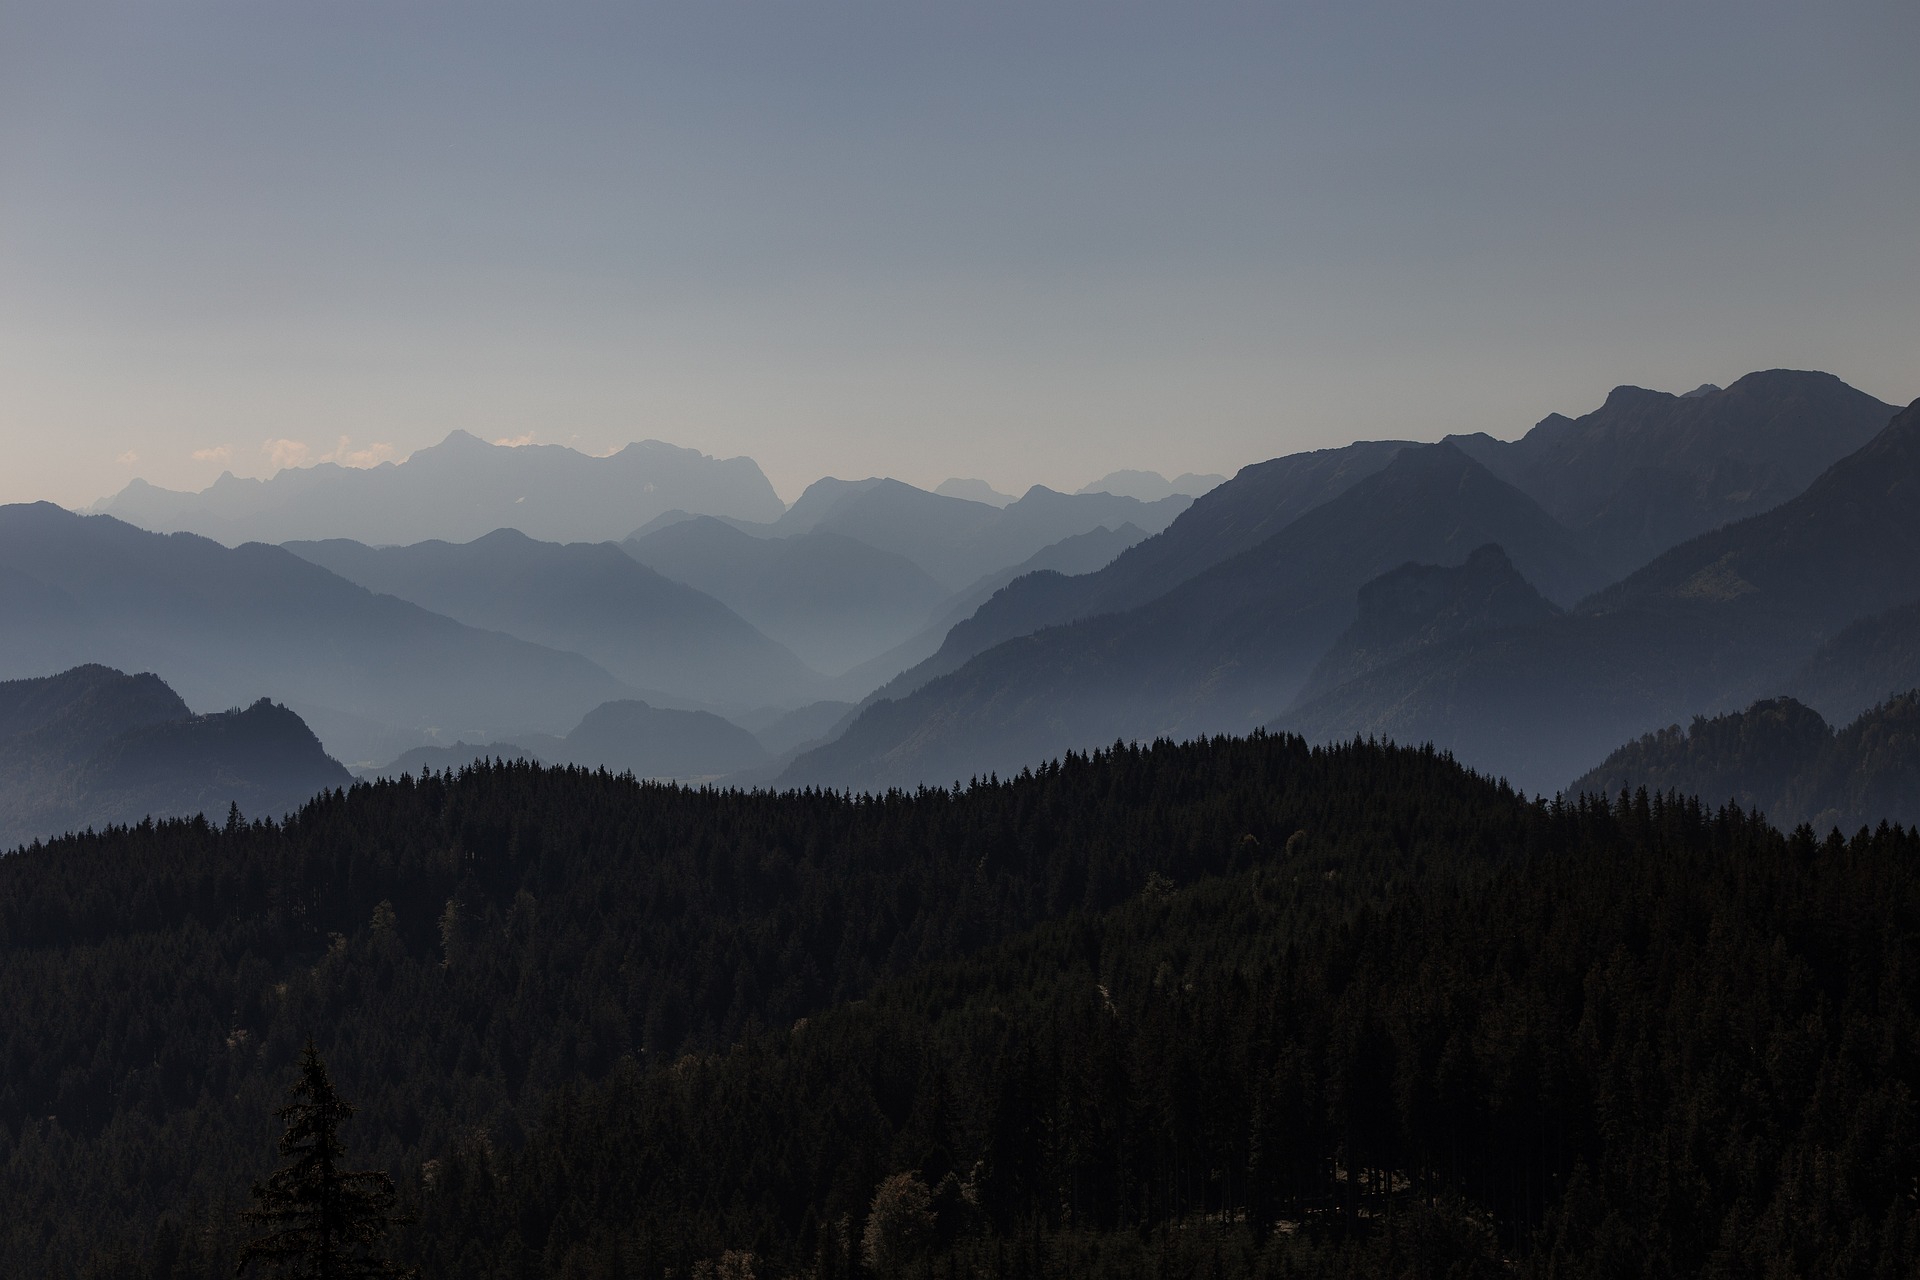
(321, 1221)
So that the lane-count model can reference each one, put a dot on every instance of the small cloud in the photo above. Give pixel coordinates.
(286, 453)
(347, 456)
(129, 458)
(516, 442)
(219, 453)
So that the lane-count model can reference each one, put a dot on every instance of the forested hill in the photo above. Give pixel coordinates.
(1236, 1004)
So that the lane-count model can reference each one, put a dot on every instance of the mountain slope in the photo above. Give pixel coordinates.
(832, 599)
(957, 541)
(92, 746)
(458, 490)
(588, 598)
(1706, 627)
(1225, 650)
(1780, 757)
(1234, 517)
(229, 625)
(1854, 670)
(1647, 471)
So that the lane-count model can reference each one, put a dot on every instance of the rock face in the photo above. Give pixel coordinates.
(458, 490)
(1781, 758)
(93, 746)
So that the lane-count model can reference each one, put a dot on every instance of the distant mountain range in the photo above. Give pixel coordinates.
(459, 490)
(1336, 588)
(834, 600)
(92, 746)
(1222, 651)
(370, 673)
(1780, 757)
(1710, 625)
(588, 598)
(1647, 470)
(1151, 486)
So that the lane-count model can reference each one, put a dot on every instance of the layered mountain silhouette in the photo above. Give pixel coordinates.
(973, 491)
(93, 746)
(1257, 503)
(370, 673)
(1222, 651)
(1647, 471)
(1780, 757)
(459, 490)
(834, 600)
(956, 541)
(1706, 627)
(1080, 554)
(1151, 486)
(589, 598)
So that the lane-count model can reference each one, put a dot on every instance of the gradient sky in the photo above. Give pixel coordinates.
(1030, 242)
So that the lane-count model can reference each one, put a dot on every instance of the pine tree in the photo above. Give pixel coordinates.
(322, 1222)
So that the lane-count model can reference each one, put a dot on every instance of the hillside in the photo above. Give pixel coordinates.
(1118, 1016)
(1852, 671)
(1781, 758)
(457, 491)
(586, 598)
(92, 746)
(370, 674)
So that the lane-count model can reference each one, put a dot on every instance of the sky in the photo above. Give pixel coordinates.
(1030, 242)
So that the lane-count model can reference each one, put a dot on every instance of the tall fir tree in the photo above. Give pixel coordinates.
(321, 1221)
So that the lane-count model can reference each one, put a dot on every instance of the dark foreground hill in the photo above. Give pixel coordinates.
(1780, 757)
(93, 746)
(1229, 1008)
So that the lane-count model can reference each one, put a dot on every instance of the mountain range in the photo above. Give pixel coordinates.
(93, 746)
(459, 490)
(371, 674)
(588, 598)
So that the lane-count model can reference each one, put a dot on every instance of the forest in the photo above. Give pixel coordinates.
(1238, 1006)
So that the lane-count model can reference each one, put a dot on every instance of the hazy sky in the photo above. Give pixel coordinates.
(1031, 242)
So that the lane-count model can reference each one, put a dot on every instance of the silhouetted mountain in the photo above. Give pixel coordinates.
(91, 746)
(832, 599)
(1647, 471)
(960, 542)
(458, 490)
(1256, 504)
(1852, 671)
(229, 625)
(654, 742)
(1080, 554)
(1151, 486)
(1706, 627)
(972, 491)
(1418, 605)
(1781, 758)
(587, 597)
(1224, 650)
